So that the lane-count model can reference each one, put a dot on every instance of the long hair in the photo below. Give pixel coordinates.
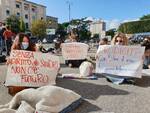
(122, 36)
(19, 39)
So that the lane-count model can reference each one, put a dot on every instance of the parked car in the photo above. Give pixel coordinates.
(34, 39)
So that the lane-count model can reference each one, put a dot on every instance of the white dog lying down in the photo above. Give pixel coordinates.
(51, 99)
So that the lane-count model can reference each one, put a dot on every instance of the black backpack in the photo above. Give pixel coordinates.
(1, 32)
(2, 58)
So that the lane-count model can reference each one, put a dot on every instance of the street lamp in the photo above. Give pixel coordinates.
(69, 8)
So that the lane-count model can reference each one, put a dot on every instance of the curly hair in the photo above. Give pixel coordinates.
(122, 36)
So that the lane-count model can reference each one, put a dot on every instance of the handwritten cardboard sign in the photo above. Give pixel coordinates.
(33, 69)
(74, 51)
(120, 60)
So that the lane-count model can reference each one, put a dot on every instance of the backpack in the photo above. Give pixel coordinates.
(2, 58)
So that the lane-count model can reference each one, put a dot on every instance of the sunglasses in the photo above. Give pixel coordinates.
(119, 41)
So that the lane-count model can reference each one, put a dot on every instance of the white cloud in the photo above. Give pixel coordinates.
(112, 24)
(115, 23)
(129, 20)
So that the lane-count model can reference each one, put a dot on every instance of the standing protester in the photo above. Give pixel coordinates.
(21, 42)
(146, 44)
(8, 39)
(1, 47)
(2, 30)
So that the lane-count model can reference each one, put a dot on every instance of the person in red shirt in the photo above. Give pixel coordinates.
(8, 39)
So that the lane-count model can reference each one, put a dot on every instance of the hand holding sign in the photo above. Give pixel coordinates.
(32, 69)
(74, 51)
(120, 60)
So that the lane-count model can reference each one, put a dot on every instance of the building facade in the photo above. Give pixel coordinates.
(52, 22)
(29, 11)
(98, 27)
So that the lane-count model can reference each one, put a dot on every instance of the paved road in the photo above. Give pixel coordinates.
(100, 96)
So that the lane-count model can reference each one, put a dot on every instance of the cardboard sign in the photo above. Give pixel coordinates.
(32, 69)
(120, 60)
(50, 31)
(74, 51)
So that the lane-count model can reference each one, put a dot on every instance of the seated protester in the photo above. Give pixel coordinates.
(146, 64)
(21, 42)
(72, 63)
(103, 41)
(119, 39)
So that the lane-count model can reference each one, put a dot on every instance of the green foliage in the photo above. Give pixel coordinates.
(60, 27)
(145, 17)
(13, 22)
(111, 32)
(82, 30)
(135, 27)
(65, 25)
(38, 28)
(84, 34)
(22, 25)
(96, 36)
(61, 31)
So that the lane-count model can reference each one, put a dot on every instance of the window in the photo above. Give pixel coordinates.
(26, 16)
(104, 26)
(27, 25)
(18, 14)
(17, 6)
(26, 7)
(33, 9)
(7, 12)
(33, 17)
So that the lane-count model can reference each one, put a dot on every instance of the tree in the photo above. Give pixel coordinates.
(135, 27)
(78, 25)
(111, 32)
(61, 32)
(13, 22)
(82, 28)
(38, 28)
(145, 17)
(22, 25)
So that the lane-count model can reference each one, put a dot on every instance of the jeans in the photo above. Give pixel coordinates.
(146, 62)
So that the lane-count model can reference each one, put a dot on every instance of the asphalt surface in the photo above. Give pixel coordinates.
(100, 96)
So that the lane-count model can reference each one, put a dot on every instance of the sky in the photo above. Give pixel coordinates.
(113, 12)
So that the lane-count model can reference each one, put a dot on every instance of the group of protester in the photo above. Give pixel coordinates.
(121, 39)
(23, 42)
(6, 37)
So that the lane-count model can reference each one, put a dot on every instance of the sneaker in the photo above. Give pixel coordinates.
(129, 81)
(108, 80)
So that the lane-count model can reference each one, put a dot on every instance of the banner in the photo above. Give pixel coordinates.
(50, 31)
(120, 60)
(74, 51)
(32, 69)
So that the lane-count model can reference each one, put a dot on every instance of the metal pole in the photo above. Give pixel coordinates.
(69, 11)
(69, 8)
